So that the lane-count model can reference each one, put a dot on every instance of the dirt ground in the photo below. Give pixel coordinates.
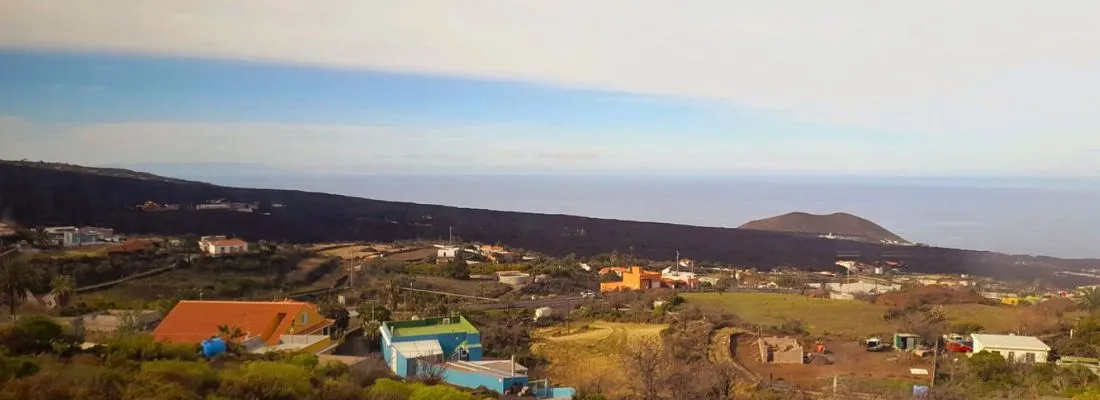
(848, 360)
(413, 254)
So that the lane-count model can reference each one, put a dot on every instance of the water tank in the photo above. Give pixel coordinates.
(213, 346)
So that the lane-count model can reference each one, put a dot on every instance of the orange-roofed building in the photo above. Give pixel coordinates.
(131, 246)
(617, 270)
(226, 246)
(636, 278)
(267, 325)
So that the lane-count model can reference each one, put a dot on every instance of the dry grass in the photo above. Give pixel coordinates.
(587, 355)
(413, 254)
(350, 252)
(470, 288)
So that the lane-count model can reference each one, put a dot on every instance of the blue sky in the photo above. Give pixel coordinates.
(476, 87)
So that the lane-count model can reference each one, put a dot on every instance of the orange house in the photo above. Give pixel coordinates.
(193, 321)
(634, 279)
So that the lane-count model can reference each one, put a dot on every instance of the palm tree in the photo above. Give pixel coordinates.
(1089, 298)
(230, 333)
(39, 236)
(392, 291)
(63, 287)
(15, 280)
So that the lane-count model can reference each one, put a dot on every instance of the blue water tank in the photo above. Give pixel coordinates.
(213, 346)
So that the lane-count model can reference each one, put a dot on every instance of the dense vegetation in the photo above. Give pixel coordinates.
(40, 361)
(36, 195)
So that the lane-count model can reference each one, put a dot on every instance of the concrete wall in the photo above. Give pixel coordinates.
(780, 350)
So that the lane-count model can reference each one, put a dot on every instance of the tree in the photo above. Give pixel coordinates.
(336, 312)
(15, 280)
(1089, 298)
(230, 333)
(392, 292)
(648, 365)
(38, 236)
(457, 269)
(371, 311)
(62, 289)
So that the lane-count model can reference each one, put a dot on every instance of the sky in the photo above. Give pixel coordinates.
(936, 87)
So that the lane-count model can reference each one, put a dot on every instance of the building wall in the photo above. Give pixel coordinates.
(474, 380)
(634, 279)
(1016, 355)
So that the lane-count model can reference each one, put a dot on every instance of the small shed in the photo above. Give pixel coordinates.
(907, 341)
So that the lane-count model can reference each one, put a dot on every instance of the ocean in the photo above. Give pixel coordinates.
(1053, 217)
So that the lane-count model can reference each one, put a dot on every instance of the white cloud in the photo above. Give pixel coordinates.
(994, 69)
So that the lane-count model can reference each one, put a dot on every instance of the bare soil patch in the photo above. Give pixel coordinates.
(845, 359)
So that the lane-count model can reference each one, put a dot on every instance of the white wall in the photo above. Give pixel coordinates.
(1017, 355)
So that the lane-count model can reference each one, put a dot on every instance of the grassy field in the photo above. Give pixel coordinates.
(350, 252)
(586, 355)
(820, 316)
(845, 318)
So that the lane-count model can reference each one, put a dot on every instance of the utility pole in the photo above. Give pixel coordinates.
(677, 260)
(935, 362)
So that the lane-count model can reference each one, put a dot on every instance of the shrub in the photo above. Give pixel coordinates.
(36, 334)
(390, 389)
(331, 370)
(440, 392)
(338, 390)
(266, 380)
(307, 361)
(193, 376)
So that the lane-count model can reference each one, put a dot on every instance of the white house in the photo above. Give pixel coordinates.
(226, 246)
(861, 287)
(447, 252)
(1020, 349)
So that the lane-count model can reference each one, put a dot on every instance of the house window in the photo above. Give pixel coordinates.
(1011, 356)
(305, 318)
(1029, 358)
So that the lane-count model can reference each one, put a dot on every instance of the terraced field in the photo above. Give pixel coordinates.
(587, 355)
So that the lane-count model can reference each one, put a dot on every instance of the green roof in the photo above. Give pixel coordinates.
(431, 326)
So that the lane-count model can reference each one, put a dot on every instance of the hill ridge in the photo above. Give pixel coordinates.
(45, 195)
(843, 224)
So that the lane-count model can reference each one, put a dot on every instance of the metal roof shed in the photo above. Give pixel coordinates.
(1014, 342)
(1026, 349)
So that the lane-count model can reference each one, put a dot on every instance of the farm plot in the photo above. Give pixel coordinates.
(587, 355)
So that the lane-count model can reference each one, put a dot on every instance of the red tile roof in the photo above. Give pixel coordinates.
(229, 243)
(193, 321)
(131, 246)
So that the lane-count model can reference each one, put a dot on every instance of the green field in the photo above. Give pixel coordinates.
(846, 318)
(820, 316)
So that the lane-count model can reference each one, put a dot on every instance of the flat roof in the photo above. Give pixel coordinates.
(431, 326)
(1010, 342)
(496, 368)
(418, 348)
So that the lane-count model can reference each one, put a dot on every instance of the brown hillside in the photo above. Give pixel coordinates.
(840, 224)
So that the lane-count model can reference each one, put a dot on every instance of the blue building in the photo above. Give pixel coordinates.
(451, 347)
